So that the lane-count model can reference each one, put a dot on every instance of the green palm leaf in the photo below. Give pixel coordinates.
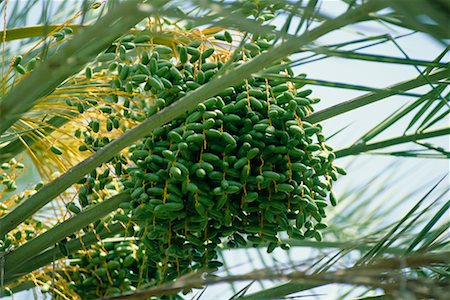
(365, 249)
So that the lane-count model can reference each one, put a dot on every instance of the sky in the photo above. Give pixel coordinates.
(408, 172)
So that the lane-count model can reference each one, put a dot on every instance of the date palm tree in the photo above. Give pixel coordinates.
(66, 121)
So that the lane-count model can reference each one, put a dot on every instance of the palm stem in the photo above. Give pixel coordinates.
(36, 31)
(330, 245)
(280, 291)
(42, 30)
(377, 58)
(372, 97)
(360, 148)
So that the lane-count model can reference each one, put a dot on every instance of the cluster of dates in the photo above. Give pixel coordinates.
(241, 168)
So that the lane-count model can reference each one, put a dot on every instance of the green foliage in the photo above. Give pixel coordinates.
(182, 139)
